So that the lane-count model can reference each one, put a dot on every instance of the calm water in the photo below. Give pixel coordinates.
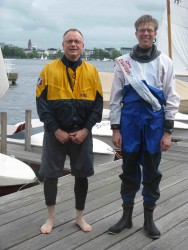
(21, 97)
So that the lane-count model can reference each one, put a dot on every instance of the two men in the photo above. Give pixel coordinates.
(143, 105)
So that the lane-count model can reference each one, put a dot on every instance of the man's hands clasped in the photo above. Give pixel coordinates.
(77, 137)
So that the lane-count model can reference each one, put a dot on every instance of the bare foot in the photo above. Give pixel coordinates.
(84, 226)
(47, 227)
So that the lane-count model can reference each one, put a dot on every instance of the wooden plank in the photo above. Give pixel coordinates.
(66, 181)
(21, 214)
(135, 237)
(173, 155)
(182, 144)
(28, 126)
(67, 195)
(183, 245)
(108, 178)
(67, 223)
(175, 238)
(3, 141)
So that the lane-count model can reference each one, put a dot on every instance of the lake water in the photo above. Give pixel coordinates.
(21, 97)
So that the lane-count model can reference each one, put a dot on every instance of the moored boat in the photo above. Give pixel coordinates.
(181, 117)
(99, 147)
(14, 175)
(18, 136)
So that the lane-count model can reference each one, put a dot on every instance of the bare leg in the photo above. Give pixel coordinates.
(80, 221)
(48, 225)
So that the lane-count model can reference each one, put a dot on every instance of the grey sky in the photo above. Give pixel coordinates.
(104, 23)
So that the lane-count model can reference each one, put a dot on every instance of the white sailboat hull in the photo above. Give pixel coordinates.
(14, 172)
(99, 146)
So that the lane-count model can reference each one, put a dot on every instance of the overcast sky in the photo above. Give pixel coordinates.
(104, 23)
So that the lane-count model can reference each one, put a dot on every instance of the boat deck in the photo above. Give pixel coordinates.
(22, 213)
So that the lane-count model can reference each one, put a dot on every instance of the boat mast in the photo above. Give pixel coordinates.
(169, 29)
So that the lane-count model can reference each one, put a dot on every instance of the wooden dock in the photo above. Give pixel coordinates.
(22, 213)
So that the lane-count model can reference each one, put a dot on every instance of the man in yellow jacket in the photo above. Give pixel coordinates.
(69, 103)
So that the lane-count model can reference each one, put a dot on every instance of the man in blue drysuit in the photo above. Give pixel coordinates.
(143, 105)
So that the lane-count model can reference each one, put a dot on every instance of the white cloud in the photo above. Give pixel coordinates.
(104, 23)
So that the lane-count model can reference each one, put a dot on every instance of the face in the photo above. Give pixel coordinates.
(73, 45)
(146, 35)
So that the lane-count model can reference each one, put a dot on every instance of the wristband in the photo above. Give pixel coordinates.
(169, 131)
(115, 126)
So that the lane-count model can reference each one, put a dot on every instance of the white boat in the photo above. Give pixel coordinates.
(181, 117)
(15, 172)
(180, 125)
(105, 114)
(34, 122)
(99, 146)
(106, 60)
(102, 129)
(43, 58)
(4, 83)
(37, 123)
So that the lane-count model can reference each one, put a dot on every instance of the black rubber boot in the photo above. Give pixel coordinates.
(124, 222)
(149, 224)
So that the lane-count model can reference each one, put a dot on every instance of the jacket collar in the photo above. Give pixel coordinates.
(70, 64)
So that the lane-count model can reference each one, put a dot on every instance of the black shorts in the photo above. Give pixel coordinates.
(54, 155)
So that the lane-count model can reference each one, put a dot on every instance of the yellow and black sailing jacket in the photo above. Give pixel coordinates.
(59, 106)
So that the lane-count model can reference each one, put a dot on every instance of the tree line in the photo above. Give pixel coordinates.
(15, 52)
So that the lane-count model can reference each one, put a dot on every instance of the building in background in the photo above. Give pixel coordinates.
(29, 45)
(125, 50)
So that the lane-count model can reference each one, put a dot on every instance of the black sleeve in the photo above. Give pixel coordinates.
(45, 113)
(168, 126)
(96, 112)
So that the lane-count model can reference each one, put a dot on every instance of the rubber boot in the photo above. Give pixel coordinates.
(124, 222)
(149, 224)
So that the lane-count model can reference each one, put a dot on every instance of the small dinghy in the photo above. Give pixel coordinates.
(14, 173)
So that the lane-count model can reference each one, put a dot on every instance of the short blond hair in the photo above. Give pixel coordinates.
(146, 19)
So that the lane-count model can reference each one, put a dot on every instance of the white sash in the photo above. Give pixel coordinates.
(137, 84)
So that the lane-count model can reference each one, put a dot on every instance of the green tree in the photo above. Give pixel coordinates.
(115, 54)
(59, 54)
(100, 54)
(9, 52)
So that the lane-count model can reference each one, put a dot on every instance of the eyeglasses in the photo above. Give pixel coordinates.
(73, 41)
(149, 31)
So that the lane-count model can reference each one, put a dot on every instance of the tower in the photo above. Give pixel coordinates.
(29, 44)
